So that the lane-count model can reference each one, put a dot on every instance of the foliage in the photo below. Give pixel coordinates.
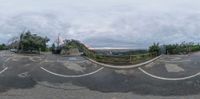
(53, 46)
(32, 42)
(182, 48)
(135, 52)
(124, 59)
(118, 52)
(114, 59)
(3, 47)
(80, 46)
(55, 50)
(155, 48)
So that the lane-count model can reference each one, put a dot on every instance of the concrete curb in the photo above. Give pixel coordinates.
(72, 76)
(125, 66)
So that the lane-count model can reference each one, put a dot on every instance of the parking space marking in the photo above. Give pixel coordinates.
(7, 59)
(72, 76)
(31, 58)
(4, 66)
(173, 68)
(169, 79)
(3, 70)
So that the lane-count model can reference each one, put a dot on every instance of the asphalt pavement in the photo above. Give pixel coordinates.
(50, 76)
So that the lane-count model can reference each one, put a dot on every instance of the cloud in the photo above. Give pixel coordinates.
(104, 23)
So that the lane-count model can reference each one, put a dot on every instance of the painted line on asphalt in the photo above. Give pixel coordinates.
(125, 66)
(4, 66)
(169, 79)
(7, 59)
(3, 70)
(72, 76)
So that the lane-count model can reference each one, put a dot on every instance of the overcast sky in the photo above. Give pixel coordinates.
(104, 23)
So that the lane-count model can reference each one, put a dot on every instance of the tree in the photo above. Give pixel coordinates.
(3, 47)
(53, 46)
(69, 44)
(32, 42)
(183, 48)
(155, 48)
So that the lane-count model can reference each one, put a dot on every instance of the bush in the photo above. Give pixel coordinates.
(182, 48)
(3, 47)
(32, 42)
(155, 48)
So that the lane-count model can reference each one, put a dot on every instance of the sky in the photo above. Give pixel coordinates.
(104, 23)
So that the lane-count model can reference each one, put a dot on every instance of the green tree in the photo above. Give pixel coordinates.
(53, 46)
(155, 48)
(80, 46)
(182, 48)
(3, 47)
(32, 42)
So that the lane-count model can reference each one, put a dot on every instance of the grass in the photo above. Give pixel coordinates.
(114, 59)
(124, 60)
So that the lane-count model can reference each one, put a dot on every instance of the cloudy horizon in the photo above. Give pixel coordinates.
(104, 23)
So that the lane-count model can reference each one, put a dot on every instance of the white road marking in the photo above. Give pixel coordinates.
(172, 79)
(150, 65)
(72, 58)
(175, 58)
(71, 76)
(31, 58)
(7, 59)
(3, 70)
(4, 66)
(173, 68)
(74, 66)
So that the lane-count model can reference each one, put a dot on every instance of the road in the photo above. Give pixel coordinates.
(49, 76)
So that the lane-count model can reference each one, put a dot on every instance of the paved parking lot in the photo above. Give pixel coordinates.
(49, 76)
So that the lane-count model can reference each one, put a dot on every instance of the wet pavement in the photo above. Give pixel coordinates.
(74, 74)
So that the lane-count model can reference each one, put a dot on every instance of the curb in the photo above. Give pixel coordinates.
(123, 66)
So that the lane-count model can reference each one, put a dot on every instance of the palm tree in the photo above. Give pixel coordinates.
(155, 48)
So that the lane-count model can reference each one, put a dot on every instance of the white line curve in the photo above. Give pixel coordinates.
(72, 76)
(3, 70)
(169, 79)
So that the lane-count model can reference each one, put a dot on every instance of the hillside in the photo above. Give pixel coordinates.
(124, 59)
